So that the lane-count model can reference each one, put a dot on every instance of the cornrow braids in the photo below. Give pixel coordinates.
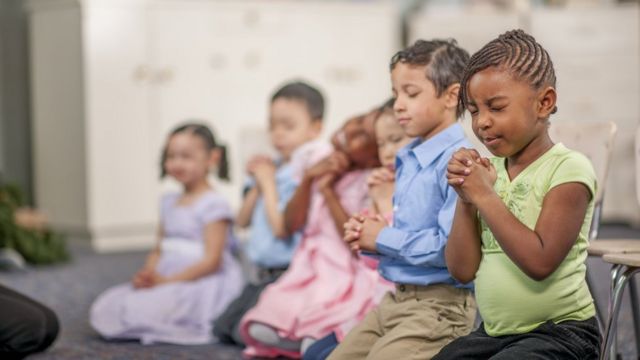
(514, 51)
(445, 61)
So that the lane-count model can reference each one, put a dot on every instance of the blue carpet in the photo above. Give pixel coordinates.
(69, 289)
(600, 277)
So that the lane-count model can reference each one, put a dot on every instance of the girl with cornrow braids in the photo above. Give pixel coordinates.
(522, 218)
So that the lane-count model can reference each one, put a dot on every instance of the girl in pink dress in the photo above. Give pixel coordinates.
(326, 283)
(390, 138)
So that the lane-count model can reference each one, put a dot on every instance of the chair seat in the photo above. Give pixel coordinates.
(632, 259)
(602, 247)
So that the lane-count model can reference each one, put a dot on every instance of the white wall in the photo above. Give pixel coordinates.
(595, 48)
(59, 130)
(2, 166)
(134, 69)
(15, 145)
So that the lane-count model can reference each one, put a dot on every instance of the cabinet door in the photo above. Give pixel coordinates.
(221, 61)
(345, 49)
(196, 51)
(58, 129)
(471, 29)
(579, 31)
(595, 52)
(122, 162)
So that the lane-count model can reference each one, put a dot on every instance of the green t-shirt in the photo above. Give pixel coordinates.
(511, 302)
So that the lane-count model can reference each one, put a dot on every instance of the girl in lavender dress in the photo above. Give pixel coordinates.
(191, 275)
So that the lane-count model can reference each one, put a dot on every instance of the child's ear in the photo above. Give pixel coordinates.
(451, 96)
(546, 102)
(214, 157)
(316, 127)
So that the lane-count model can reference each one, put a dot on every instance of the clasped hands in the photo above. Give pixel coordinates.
(470, 175)
(361, 230)
(147, 278)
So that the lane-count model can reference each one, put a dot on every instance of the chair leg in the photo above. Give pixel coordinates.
(596, 303)
(633, 292)
(614, 308)
(616, 272)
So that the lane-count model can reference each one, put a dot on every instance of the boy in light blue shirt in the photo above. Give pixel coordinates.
(266, 249)
(295, 122)
(429, 308)
(412, 250)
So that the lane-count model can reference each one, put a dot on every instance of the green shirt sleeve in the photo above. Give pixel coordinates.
(575, 167)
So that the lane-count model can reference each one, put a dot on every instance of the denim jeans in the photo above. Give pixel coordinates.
(321, 349)
(579, 340)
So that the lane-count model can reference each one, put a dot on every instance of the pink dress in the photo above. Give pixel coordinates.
(326, 288)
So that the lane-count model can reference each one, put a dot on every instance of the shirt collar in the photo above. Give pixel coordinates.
(428, 151)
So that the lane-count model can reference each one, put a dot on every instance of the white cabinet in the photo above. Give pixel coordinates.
(596, 55)
(471, 29)
(95, 162)
(110, 78)
(225, 59)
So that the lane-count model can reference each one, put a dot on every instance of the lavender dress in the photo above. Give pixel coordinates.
(179, 313)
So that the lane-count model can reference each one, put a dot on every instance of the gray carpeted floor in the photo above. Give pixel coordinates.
(69, 289)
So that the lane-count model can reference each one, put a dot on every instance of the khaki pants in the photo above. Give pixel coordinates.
(414, 323)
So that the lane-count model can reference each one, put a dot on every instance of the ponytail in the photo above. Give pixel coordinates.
(223, 165)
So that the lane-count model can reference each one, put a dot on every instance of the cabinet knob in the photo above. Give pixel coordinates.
(163, 76)
(141, 73)
(218, 61)
(252, 18)
(343, 74)
(252, 59)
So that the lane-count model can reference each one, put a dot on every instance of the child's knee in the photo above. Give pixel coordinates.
(263, 333)
(269, 336)
(38, 329)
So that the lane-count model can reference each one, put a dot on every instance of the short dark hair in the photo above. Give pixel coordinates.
(444, 59)
(516, 52)
(386, 107)
(203, 132)
(306, 93)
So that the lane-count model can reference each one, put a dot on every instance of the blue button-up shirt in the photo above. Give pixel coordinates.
(263, 248)
(412, 250)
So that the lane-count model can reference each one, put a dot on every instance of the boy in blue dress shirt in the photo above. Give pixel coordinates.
(429, 308)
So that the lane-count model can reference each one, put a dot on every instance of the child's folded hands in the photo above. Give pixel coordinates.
(337, 163)
(361, 232)
(147, 278)
(379, 176)
(470, 174)
(262, 168)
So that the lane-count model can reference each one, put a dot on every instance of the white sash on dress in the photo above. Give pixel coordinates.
(180, 246)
